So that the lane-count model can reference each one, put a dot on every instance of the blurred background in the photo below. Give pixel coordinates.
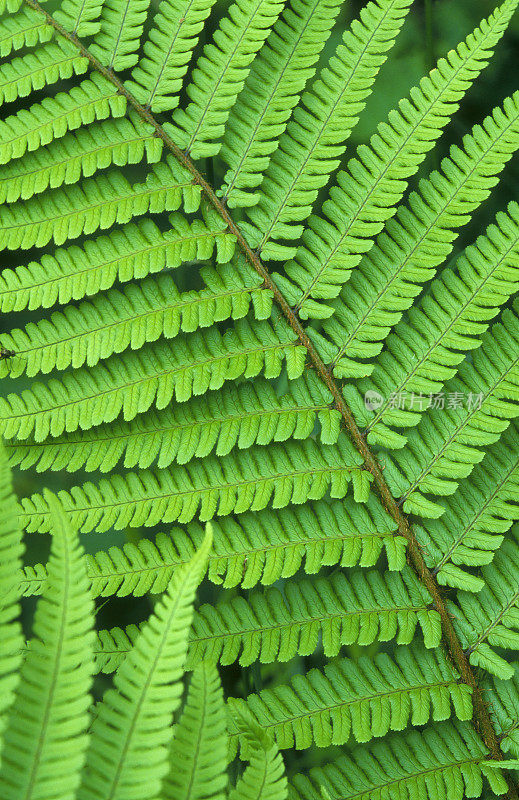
(432, 28)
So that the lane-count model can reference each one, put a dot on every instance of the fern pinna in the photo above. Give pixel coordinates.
(253, 330)
(55, 742)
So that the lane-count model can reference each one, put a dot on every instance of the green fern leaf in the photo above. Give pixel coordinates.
(264, 778)
(11, 6)
(127, 757)
(153, 376)
(116, 141)
(313, 143)
(415, 243)
(45, 741)
(113, 322)
(97, 204)
(365, 196)
(205, 394)
(366, 699)
(157, 79)
(256, 547)
(121, 28)
(238, 416)
(445, 761)
(476, 518)
(11, 550)
(234, 483)
(446, 444)
(23, 29)
(491, 618)
(219, 75)
(198, 752)
(80, 17)
(132, 251)
(94, 99)
(275, 627)
(41, 67)
(503, 699)
(363, 608)
(277, 75)
(426, 348)
(113, 646)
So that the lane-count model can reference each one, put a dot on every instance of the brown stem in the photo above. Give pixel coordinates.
(481, 718)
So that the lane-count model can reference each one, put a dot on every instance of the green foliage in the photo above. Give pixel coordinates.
(132, 731)
(197, 755)
(277, 76)
(11, 550)
(272, 626)
(132, 251)
(176, 27)
(55, 743)
(221, 308)
(263, 778)
(93, 99)
(441, 761)
(220, 74)
(491, 617)
(365, 196)
(257, 547)
(44, 741)
(367, 699)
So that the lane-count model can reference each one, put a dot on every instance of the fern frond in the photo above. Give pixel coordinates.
(444, 761)
(96, 204)
(145, 312)
(94, 99)
(11, 6)
(45, 741)
(233, 484)
(23, 29)
(132, 382)
(476, 517)
(366, 698)
(277, 76)
(361, 608)
(80, 17)
(128, 753)
(11, 549)
(219, 75)
(117, 42)
(39, 68)
(425, 349)
(156, 80)
(503, 699)
(79, 154)
(447, 443)
(415, 243)
(311, 147)
(198, 753)
(260, 546)
(236, 416)
(132, 251)
(366, 195)
(203, 394)
(264, 777)
(490, 618)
